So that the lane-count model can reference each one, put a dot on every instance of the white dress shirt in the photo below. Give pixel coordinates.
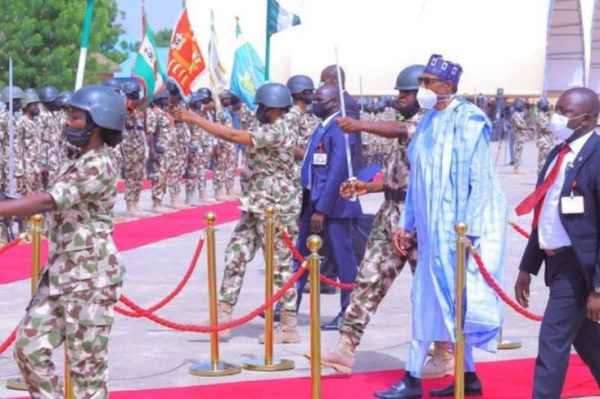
(551, 232)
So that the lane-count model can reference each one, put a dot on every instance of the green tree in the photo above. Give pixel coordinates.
(163, 37)
(43, 37)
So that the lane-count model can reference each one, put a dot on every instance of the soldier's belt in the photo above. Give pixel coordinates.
(396, 195)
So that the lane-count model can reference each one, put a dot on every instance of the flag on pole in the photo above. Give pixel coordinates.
(215, 68)
(147, 66)
(186, 63)
(279, 18)
(248, 72)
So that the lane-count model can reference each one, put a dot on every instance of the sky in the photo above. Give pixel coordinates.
(161, 14)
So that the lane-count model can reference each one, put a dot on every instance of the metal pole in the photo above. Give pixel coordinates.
(12, 188)
(314, 244)
(459, 353)
(268, 363)
(214, 367)
(85, 43)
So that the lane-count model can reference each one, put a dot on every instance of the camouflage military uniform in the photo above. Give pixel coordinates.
(269, 180)
(520, 129)
(303, 125)
(133, 147)
(195, 162)
(225, 156)
(17, 153)
(545, 138)
(182, 142)
(30, 132)
(162, 124)
(380, 265)
(78, 289)
(53, 142)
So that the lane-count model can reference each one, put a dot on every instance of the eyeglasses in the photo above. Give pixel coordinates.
(427, 81)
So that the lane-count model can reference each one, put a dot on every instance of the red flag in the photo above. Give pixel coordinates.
(186, 62)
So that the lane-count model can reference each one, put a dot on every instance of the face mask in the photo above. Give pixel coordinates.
(34, 111)
(558, 126)
(78, 137)
(409, 111)
(320, 110)
(261, 114)
(427, 98)
(307, 98)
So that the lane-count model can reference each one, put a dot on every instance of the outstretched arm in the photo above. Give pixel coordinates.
(387, 129)
(28, 206)
(219, 131)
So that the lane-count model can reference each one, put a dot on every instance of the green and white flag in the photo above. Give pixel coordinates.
(279, 18)
(147, 66)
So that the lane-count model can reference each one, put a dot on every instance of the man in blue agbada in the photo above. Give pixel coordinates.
(451, 180)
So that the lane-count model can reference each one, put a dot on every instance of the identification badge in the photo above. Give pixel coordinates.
(572, 205)
(320, 159)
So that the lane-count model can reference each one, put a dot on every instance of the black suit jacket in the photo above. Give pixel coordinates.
(583, 229)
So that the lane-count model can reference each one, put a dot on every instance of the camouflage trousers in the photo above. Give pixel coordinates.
(135, 171)
(248, 237)
(224, 167)
(376, 273)
(180, 162)
(544, 146)
(193, 170)
(165, 175)
(519, 144)
(85, 319)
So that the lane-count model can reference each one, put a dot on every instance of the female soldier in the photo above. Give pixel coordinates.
(79, 287)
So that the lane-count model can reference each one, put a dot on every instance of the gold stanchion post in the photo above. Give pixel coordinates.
(214, 367)
(17, 384)
(314, 244)
(268, 363)
(506, 343)
(459, 353)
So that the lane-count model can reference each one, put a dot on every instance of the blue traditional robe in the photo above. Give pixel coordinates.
(452, 180)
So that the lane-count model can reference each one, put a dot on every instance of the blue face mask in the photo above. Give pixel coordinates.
(78, 137)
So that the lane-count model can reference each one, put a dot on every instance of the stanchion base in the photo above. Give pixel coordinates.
(206, 369)
(16, 384)
(259, 364)
(431, 350)
(509, 343)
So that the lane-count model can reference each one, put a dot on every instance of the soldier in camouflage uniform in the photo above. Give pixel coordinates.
(520, 129)
(381, 265)
(29, 130)
(545, 138)
(82, 282)
(225, 154)
(17, 147)
(53, 120)
(162, 126)
(133, 148)
(270, 173)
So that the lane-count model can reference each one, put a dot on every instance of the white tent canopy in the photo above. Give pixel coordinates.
(521, 46)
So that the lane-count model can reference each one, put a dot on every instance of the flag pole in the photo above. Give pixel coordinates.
(85, 42)
(268, 57)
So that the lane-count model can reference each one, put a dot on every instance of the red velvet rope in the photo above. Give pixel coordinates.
(520, 230)
(300, 258)
(507, 299)
(9, 341)
(10, 245)
(175, 292)
(225, 326)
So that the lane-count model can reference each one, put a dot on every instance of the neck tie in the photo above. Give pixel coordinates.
(535, 200)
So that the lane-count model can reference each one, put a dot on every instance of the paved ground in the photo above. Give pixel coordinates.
(145, 355)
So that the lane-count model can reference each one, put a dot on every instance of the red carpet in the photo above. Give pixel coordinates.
(16, 264)
(510, 379)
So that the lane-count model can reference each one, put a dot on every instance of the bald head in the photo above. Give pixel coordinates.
(329, 75)
(328, 92)
(582, 106)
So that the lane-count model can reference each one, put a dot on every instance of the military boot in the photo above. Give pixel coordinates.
(176, 202)
(340, 358)
(133, 210)
(287, 330)
(158, 207)
(189, 198)
(205, 198)
(441, 363)
(232, 195)
(221, 196)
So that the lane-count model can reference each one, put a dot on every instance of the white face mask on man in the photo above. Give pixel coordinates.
(428, 99)
(558, 126)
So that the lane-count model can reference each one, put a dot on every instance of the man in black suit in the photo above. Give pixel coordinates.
(565, 235)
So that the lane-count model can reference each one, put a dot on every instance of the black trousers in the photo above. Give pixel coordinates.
(565, 324)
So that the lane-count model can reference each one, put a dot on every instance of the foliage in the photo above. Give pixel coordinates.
(43, 38)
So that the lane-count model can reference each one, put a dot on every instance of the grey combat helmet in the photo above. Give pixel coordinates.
(543, 104)
(226, 94)
(17, 93)
(105, 106)
(131, 86)
(298, 83)
(408, 78)
(204, 93)
(273, 95)
(63, 98)
(518, 104)
(48, 94)
(30, 95)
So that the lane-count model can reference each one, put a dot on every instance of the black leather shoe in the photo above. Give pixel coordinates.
(472, 387)
(407, 388)
(334, 324)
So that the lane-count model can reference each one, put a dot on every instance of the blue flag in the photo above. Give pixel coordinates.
(248, 72)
